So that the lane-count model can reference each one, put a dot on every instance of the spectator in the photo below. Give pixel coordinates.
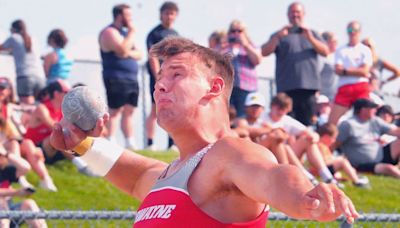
(119, 56)
(30, 75)
(385, 112)
(328, 76)
(168, 13)
(9, 174)
(328, 133)
(380, 64)
(297, 69)
(323, 109)
(10, 139)
(272, 138)
(218, 40)
(352, 63)
(375, 91)
(57, 65)
(245, 59)
(41, 123)
(359, 140)
(301, 139)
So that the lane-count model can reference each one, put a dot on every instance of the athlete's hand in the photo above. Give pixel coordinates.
(66, 135)
(326, 202)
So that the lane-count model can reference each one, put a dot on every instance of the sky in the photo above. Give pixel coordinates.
(82, 20)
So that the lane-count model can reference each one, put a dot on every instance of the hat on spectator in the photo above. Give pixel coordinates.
(363, 103)
(4, 83)
(322, 99)
(255, 98)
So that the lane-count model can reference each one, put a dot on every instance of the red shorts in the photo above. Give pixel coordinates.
(348, 94)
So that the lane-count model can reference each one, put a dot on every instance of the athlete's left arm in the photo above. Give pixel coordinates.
(254, 170)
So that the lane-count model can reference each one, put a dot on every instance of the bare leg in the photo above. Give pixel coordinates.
(342, 163)
(387, 169)
(30, 205)
(293, 159)
(337, 112)
(395, 150)
(151, 123)
(3, 207)
(34, 155)
(112, 123)
(278, 149)
(313, 154)
(126, 120)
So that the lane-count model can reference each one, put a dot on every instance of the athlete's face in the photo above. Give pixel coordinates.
(179, 91)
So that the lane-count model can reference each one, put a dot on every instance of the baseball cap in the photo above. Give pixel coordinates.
(322, 99)
(4, 83)
(364, 103)
(255, 98)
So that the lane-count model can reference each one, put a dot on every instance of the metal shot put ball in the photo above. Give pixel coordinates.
(82, 107)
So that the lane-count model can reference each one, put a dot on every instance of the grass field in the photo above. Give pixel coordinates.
(78, 192)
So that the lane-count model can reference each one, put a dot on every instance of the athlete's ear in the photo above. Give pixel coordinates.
(217, 86)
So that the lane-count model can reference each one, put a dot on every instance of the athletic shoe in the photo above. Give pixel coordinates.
(151, 147)
(86, 171)
(335, 182)
(362, 182)
(48, 185)
(314, 181)
(173, 148)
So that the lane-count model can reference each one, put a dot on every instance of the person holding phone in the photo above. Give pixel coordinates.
(246, 56)
(119, 56)
(8, 175)
(297, 48)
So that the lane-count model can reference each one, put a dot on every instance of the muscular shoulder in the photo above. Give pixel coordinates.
(233, 150)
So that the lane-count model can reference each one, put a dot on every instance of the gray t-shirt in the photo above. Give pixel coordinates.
(26, 63)
(296, 63)
(360, 140)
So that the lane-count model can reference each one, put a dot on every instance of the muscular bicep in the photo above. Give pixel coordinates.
(111, 40)
(258, 176)
(135, 174)
(249, 171)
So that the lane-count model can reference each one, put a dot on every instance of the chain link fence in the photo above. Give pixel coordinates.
(126, 218)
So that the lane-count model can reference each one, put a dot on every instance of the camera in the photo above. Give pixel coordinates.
(233, 39)
(295, 29)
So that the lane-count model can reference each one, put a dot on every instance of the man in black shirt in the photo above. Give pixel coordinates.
(168, 13)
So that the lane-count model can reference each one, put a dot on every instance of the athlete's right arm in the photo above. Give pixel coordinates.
(130, 172)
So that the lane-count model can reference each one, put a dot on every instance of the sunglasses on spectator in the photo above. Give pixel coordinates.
(236, 31)
(351, 30)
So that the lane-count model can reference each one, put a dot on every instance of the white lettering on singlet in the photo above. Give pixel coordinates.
(153, 212)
